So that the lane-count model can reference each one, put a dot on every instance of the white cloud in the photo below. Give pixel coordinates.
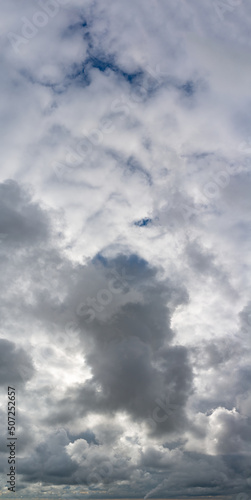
(125, 139)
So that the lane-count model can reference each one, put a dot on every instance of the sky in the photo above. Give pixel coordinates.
(125, 248)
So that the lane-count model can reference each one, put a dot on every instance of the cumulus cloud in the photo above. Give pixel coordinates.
(124, 240)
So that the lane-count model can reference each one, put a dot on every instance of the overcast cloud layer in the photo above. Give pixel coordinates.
(125, 247)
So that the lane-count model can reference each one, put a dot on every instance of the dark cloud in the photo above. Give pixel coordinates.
(132, 362)
(15, 364)
(49, 462)
(22, 222)
(136, 369)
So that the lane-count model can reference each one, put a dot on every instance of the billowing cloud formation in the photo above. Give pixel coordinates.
(125, 240)
(114, 382)
(127, 345)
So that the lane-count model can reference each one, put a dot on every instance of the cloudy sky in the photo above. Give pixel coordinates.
(125, 247)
